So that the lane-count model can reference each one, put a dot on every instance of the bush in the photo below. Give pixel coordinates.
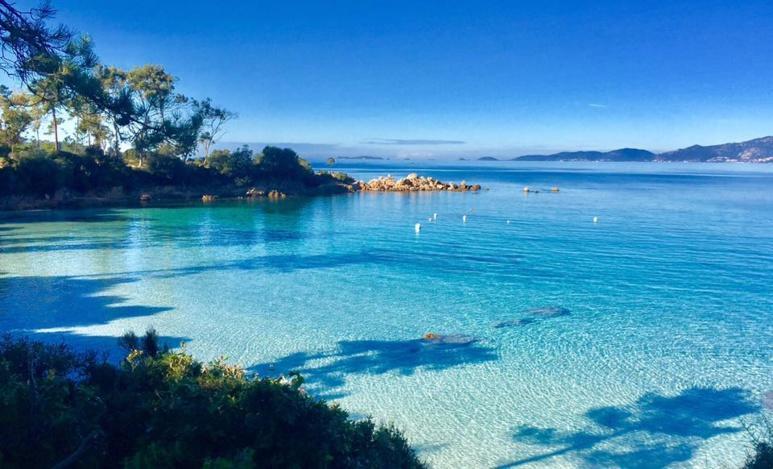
(283, 163)
(236, 164)
(164, 409)
(762, 440)
(762, 457)
(37, 174)
(166, 169)
(38, 170)
(336, 176)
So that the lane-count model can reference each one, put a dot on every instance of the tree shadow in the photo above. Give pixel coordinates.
(50, 309)
(327, 371)
(655, 431)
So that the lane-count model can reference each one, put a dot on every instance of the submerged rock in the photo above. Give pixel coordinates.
(448, 339)
(548, 311)
(514, 322)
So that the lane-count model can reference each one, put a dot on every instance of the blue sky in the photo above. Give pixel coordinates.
(456, 78)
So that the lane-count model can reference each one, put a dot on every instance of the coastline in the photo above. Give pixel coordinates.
(118, 197)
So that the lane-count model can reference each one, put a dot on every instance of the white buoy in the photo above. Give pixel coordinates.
(595, 219)
(434, 216)
(464, 218)
(429, 219)
(417, 227)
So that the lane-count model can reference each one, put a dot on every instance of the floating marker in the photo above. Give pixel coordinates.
(417, 227)
(434, 216)
(595, 219)
(464, 218)
(429, 219)
(508, 222)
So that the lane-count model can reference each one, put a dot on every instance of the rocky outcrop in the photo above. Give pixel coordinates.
(412, 183)
(254, 193)
(273, 194)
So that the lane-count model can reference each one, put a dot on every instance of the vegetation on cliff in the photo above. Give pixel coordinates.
(160, 408)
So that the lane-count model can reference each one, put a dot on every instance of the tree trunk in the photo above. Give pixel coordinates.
(117, 139)
(56, 129)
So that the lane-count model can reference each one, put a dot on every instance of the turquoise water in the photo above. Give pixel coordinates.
(665, 351)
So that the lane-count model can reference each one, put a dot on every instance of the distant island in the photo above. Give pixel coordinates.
(363, 157)
(759, 150)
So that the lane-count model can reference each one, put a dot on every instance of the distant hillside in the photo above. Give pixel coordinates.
(623, 154)
(759, 150)
(487, 158)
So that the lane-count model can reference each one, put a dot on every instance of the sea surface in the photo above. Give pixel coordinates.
(644, 339)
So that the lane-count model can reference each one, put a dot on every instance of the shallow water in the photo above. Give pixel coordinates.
(643, 340)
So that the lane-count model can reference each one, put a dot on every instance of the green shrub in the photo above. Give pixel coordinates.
(164, 409)
(237, 164)
(283, 163)
(37, 174)
(166, 169)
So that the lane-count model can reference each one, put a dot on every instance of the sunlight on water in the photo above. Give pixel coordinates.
(642, 340)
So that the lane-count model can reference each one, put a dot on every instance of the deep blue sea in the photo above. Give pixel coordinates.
(644, 339)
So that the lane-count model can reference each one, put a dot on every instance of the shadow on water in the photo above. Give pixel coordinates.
(51, 308)
(355, 357)
(654, 432)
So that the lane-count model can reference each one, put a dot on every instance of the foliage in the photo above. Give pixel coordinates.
(762, 440)
(112, 109)
(160, 408)
(238, 163)
(282, 163)
(337, 176)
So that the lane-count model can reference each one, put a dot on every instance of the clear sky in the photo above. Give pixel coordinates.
(455, 78)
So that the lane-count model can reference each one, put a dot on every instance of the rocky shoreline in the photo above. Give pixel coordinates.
(118, 197)
(412, 183)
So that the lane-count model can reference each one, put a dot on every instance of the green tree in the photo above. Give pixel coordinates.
(16, 116)
(214, 120)
(155, 87)
(116, 89)
(50, 95)
(282, 163)
(27, 43)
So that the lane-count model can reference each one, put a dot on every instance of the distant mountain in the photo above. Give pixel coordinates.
(363, 157)
(487, 158)
(623, 154)
(759, 150)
